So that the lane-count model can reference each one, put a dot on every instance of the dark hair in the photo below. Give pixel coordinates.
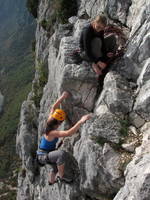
(51, 125)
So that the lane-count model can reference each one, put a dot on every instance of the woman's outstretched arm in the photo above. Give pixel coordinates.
(72, 130)
(59, 100)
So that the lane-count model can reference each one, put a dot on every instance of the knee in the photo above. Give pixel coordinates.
(62, 158)
(62, 154)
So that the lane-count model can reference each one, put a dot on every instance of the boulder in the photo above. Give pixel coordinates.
(137, 183)
(116, 94)
(26, 142)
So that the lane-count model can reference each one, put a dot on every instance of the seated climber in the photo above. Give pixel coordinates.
(47, 153)
(92, 44)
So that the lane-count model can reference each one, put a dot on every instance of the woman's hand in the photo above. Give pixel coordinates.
(59, 100)
(65, 95)
(101, 65)
(85, 117)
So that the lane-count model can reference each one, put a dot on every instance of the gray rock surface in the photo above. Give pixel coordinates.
(142, 102)
(104, 126)
(27, 136)
(130, 147)
(95, 151)
(116, 10)
(116, 94)
(137, 183)
(97, 168)
(136, 120)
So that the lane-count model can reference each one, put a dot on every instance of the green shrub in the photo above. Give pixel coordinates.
(99, 140)
(38, 85)
(65, 9)
(124, 127)
(43, 23)
(60, 11)
(32, 6)
(43, 74)
(37, 94)
(48, 25)
(33, 45)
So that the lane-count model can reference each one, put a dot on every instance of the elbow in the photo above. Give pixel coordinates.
(67, 133)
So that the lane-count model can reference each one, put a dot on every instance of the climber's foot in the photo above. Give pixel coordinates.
(64, 179)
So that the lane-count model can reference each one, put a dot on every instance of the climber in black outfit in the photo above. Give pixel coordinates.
(47, 153)
(92, 44)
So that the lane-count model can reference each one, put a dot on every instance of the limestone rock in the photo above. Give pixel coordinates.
(129, 147)
(137, 184)
(61, 31)
(117, 94)
(145, 74)
(26, 142)
(133, 130)
(78, 26)
(97, 165)
(73, 19)
(146, 128)
(142, 106)
(104, 127)
(118, 10)
(137, 52)
(138, 13)
(136, 120)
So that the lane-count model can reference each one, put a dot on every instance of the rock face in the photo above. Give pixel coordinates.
(137, 172)
(99, 153)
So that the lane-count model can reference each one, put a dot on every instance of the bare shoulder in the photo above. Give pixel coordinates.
(56, 133)
(52, 133)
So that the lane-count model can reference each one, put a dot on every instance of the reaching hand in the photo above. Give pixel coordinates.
(102, 65)
(85, 117)
(65, 94)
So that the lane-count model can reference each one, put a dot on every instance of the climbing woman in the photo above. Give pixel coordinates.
(47, 153)
(92, 44)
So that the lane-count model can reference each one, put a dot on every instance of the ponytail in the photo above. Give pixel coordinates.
(51, 125)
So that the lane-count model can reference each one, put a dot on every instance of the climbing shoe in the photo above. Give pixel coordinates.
(64, 179)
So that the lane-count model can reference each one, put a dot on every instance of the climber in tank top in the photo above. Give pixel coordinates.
(47, 153)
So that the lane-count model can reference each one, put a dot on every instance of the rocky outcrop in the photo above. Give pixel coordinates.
(99, 153)
(137, 172)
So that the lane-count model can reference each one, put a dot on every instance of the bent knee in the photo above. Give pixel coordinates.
(62, 154)
(61, 158)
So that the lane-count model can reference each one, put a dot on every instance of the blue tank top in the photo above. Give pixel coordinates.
(48, 145)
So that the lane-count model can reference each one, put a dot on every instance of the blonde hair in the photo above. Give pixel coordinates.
(100, 19)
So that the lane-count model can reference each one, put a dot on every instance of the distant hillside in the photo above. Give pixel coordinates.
(17, 32)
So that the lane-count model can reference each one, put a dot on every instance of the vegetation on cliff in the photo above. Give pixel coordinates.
(32, 6)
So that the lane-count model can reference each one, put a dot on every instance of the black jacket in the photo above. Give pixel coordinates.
(87, 34)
